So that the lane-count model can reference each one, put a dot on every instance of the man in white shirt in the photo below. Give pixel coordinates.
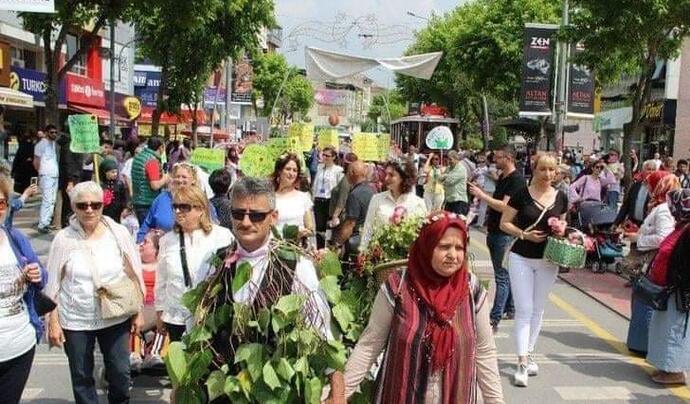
(45, 162)
(271, 276)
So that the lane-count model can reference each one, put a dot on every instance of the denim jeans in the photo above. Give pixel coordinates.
(612, 199)
(114, 345)
(48, 186)
(503, 301)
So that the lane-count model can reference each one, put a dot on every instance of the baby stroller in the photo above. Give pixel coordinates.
(595, 220)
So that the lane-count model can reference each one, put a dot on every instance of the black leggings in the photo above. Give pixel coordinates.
(13, 376)
(175, 332)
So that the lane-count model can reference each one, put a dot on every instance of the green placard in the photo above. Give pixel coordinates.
(277, 146)
(256, 161)
(209, 159)
(83, 130)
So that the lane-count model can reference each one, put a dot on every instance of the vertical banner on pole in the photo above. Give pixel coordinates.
(580, 88)
(537, 68)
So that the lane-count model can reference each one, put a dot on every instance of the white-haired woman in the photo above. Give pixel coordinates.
(21, 277)
(92, 252)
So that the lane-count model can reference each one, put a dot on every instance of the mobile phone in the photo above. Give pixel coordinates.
(34, 180)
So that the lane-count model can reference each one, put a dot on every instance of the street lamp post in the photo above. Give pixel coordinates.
(560, 108)
(421, 17)
(112, 79)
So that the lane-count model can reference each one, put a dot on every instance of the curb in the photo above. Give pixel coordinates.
(596, 299)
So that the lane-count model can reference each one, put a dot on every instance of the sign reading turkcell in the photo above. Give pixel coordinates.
(33, 82)
(34, 6)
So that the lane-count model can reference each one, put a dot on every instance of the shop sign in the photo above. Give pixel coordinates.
(213, 96)
(132, 106)
(433, 110)
(13, 98)
(85, 91)
(33, 82)
(580, 87)
(33, 6)
(653, 111)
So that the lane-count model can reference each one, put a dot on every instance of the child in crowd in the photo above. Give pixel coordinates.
(129, 219)
(115, 191)
(146, 348)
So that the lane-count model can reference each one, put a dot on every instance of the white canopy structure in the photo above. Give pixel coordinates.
(323, 65)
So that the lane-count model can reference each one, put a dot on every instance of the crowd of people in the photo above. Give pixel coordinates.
(136, 228)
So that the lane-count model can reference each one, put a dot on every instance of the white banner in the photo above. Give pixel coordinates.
(34, 6)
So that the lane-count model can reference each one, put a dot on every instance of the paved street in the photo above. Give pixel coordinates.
(580, 353)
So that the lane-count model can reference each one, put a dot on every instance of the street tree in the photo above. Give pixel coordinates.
(70, 17)
(382, 104)
(482, 53)
(625, 39)
(275, 80)
(190, 39)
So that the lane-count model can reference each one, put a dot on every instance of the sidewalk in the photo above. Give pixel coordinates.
(608, 288)
(26, 220)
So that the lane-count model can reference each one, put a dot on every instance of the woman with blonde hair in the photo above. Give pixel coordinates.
(531, 276)
(184, 257)
(161, 216)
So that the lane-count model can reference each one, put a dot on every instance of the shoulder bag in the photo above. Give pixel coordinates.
(504, 262)
(120, 298)
(183, 258)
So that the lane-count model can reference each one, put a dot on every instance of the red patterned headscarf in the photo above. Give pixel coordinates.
(660, 184)
(442, 295)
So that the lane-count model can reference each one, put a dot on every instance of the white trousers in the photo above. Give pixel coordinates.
(433, 201)
(531, 279)
(48, 187)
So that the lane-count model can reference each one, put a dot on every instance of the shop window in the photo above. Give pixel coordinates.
(23, 58)
(74, 43)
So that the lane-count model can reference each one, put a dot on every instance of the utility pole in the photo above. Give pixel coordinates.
(112, 78)
(562, 81)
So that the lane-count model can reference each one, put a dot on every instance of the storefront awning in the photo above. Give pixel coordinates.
(102, 115)
(14, 98)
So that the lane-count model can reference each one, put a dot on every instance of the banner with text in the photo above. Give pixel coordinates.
(371, 146)
(580, 87)
(305, 133)
(537, 68)
(209, 159)
(328, 138)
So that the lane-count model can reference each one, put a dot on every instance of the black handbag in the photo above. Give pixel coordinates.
(650, 293)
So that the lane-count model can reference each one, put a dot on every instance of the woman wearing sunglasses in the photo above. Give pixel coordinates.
(93, 250)
(328, 175)
(161, 215)
(589, 186)
(21, 276)
(184, 257)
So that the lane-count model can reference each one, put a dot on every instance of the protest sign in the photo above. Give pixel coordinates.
(208, 159)
(305, 133)
(277, 146)
(83, 130)
(328, 138)
(366, 146)
(440, 138)
(256, 161)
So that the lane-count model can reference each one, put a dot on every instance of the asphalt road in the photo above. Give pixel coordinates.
(580, 352)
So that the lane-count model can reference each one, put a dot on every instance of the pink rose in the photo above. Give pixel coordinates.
(398, 215)
(589, 244)
(557, 226)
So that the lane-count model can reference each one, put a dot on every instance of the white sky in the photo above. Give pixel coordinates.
(392, 28)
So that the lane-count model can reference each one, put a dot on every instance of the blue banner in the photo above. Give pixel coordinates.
(33, 82)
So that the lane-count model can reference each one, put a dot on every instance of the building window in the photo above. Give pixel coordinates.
(23, 58)
(74, 43)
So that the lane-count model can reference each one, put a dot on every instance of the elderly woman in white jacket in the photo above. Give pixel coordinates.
(184, 258)
(658, 224)
(93, 251)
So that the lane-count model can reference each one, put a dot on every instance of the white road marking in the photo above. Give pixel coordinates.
(584, 393)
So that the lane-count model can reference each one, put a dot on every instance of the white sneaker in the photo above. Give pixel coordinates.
(153, 361)
(532, 367)
(135, 362)
(520, 378)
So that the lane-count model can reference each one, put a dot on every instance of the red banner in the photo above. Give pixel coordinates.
(85, 91)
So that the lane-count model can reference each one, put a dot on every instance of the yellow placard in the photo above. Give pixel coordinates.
(371, 146)
(278, 146)
(132, 106)
(305, 133)
(383, 146)
(328, 138)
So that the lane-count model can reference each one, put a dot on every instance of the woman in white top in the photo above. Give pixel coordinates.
(400, 180)
(20, 327)
(328, 175)
(92, 250)
(294, 206)
(184, 258)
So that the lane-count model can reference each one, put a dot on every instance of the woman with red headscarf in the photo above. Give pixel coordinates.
(658, 224)
(433, 322)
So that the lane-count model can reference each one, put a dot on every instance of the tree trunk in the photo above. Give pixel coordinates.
(195, 126)
(52, 113)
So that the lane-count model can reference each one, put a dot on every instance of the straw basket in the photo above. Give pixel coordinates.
(384, 269)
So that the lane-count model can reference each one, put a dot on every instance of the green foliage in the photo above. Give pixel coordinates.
(500, 138)
(473, 142)
(278, 359)
(482, 54)
(379, 109)
(270, 71)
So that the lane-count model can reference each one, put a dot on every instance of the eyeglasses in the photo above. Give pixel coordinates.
(183, 207)
(86, 205)
(3, 203)
(254, 216)
(599, 167)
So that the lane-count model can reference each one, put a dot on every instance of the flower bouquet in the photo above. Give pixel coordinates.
(566, 246)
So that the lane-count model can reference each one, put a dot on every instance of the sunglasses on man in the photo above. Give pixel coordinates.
(254, 216)
(87, 205)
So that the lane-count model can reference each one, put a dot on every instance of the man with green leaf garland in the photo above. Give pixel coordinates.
(263, 320)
